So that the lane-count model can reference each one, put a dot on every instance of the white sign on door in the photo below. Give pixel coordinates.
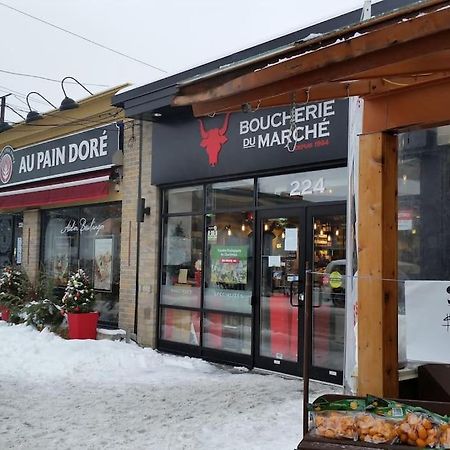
(427, 305)
(290, 240)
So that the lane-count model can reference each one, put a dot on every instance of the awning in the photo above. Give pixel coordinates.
(87, 188)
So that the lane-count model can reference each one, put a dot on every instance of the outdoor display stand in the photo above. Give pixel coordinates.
(312, 442)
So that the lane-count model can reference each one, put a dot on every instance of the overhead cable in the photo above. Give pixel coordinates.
(81, 37)
(40, 77)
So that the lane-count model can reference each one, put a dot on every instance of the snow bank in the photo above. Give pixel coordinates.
(26, 353)
(90, 395)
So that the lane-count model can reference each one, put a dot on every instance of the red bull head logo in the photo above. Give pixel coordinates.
(213, 140)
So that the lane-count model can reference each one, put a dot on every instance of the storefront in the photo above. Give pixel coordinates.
(400, 281)
(61, 200)
(252, 195)
(255, 210)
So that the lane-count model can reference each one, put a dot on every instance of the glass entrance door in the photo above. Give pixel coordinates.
(312, 237)
(281, 290)
(328, 263)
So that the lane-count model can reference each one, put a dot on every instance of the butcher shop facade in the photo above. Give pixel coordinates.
(248, 201)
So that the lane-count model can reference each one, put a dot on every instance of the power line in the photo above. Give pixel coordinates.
(20, 94)
(81, 37)
(10, 72)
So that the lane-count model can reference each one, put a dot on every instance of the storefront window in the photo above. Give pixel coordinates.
(232, 194)
(228, 332)
(11, 231)
(312, 187)
(182, 261)
(183, 200)
(180, 326)
(229, 276)
(60, 244)
(87, 238)
(424, 243)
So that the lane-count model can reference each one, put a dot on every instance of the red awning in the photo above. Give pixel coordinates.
(94, 187)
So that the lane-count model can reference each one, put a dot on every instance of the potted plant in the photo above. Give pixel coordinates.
(13, 290)
(78, 303)
(44, 308)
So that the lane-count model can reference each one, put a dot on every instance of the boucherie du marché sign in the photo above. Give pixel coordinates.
(89, 150)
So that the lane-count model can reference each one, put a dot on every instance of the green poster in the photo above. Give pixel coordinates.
(229, 264)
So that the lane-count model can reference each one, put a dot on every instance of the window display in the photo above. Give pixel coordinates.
(88, 238)
(11, 230)
(424, 243)
(182, 261)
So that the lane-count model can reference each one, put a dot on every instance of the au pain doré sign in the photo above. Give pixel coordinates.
(89, 150)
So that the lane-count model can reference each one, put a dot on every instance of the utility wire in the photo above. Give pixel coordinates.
(81, 37)
(10, 72)
(20, 94)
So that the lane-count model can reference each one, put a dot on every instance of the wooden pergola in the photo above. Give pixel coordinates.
(400, 64)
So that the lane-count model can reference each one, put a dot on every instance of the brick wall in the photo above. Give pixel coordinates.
(149, 239)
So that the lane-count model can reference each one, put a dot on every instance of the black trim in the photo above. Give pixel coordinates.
(222, 356)
(331, 164)
(179, 349)
(180, 307)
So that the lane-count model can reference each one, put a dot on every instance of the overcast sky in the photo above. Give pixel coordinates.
(172, 35)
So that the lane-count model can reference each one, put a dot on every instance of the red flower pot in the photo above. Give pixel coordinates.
(83, 325)
(5, 313)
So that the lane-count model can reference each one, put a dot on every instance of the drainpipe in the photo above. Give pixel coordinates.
(139, 219)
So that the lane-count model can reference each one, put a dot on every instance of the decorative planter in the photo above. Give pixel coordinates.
(83, 325)
(5, 313)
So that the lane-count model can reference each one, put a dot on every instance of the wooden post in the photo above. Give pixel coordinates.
(377, 266)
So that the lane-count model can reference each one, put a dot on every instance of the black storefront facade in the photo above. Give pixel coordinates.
(245, 211)
(249, 201)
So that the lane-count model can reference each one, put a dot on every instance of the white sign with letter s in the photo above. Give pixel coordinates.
(427, 305)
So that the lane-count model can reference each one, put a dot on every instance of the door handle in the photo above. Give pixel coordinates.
(300, 296)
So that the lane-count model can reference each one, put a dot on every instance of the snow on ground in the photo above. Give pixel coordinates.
(60, 394)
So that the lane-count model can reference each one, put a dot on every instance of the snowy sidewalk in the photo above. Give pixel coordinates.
(58, 394)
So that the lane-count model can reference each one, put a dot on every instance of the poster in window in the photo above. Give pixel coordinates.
(179, 242)
(229, 264)
(103, 263)
(61, 255)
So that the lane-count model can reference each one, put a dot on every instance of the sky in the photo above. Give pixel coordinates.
(171, 35)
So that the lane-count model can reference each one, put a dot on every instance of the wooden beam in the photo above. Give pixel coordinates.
(377, 266)
(423, 106)
(333, 71)
(325, 91)
(374, 49)
(436, 62)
